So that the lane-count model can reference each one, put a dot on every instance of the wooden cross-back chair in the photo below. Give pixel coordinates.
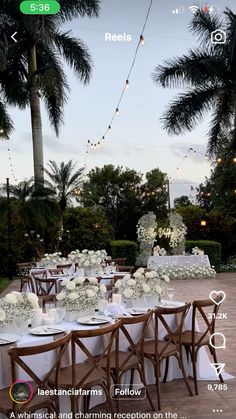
(45, 286)
(157, 350)
(88, 374)
(37, 402)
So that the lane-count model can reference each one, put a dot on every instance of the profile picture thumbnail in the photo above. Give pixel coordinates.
(21, 391)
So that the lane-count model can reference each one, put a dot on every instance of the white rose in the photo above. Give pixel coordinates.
(18, 296)
(128, 292)
(2, 315)
(70, 285)
(84, 251)
(104, 289)
(11, 299)
(73, 296)
(86, 263)
(141, 270)
(146, 288)
(90, 293)
(33, 299)
(91, 252)
(158, 289)
(131, 282)
(61, 296)
(137, 275)
(126, 277)
(166, 278)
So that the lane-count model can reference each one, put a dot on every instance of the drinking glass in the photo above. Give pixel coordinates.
(170, 293)
(61, 312)
(21, 324)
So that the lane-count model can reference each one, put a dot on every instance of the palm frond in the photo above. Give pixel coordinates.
(75, 8)
(75, 53)
(197, 67)
(6, 124)
(188, 108)
(222, 120)
(53, 85)
(203, 24)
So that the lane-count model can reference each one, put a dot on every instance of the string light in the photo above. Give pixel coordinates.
(234, 159)
(127, 82)
(141, 40)
(117, 112)
(11, 165)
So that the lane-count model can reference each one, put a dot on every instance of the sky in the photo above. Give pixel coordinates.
(137, 139)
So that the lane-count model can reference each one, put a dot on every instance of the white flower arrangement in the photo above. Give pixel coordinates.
(88, 259)
(197, 251)
(176, 232)
(52, 259)
(81, 294)
(146, 228)
(158, 251)
(15, 305)
(142, 284)
(188, 272)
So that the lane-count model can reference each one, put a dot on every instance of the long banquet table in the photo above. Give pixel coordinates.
(41, 364)
(155, 262)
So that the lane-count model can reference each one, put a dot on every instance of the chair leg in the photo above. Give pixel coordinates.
(157, 373)
(109, 399)
(184, 373)
(166, 370)
(194, 361)
(131, 379)
(73, 402)
(143, 379)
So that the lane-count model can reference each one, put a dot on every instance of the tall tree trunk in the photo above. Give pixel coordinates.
(234, 133)
(36, 121)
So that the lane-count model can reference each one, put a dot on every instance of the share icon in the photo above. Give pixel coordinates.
(218, 368)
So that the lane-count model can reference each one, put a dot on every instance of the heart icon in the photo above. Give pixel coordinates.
(215, 294)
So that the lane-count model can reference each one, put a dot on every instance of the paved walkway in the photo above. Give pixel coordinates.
(174, 394)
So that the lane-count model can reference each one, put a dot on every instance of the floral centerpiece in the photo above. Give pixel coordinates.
(52, 259)
(15, 305)
(197, 251)
(159, 251)
(188, 272)
(80, 294)
(88, 259)
(142, 284)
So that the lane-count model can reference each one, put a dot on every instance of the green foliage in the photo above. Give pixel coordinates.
(154, 193)
(85, 228)
(182, 201)
(4, 282)
(125, 249)
(211, 248)
(192, 216)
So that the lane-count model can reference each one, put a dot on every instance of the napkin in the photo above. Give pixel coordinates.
(115, 310)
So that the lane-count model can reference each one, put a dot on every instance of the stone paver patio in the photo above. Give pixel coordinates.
(174, 394)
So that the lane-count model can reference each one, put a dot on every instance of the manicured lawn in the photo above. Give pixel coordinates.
(4, 282)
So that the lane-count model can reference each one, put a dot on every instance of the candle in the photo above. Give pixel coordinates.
(116, 299)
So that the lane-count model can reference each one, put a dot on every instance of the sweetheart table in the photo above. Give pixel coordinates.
(155, 262)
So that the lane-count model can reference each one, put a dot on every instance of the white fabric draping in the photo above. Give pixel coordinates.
(155, 262)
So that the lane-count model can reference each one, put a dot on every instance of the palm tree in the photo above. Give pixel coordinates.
(208, 75)
(65, 181)
(34, 67)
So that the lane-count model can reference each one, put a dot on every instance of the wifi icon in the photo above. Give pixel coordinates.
(194, 9)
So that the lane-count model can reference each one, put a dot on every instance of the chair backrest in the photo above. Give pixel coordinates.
(117, 261)
(41, 273)
(199, 307)
(135, 344)
(17, 360)
(162, 320)
(56, 271)
(24, 267)
(65, 266)
(45, 286)
(80, 339)
(124, 268)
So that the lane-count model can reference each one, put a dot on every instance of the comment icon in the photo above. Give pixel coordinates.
(217, 341)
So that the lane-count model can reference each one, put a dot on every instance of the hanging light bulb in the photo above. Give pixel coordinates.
(219, 160)
(127, 84)
(117, 112)
(142, 41)
(103, 139)
(1, 131)
(109, 128)
(234, 159)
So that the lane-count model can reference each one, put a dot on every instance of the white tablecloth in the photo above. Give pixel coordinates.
(42, 363)
(163, 261)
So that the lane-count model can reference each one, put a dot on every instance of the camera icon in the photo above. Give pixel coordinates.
(218, 37)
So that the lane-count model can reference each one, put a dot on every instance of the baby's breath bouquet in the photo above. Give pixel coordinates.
(142, 284)
(188, 272)
(16, 304)
(88, 259)
(80, 294)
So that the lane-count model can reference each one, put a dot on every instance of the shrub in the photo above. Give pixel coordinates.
(124, 249)
(212, 249)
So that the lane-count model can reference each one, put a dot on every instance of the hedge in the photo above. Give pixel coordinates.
(124, 249)
(211, 248)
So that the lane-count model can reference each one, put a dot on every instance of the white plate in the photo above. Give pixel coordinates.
(137, 311)
(46, 330)
(6, 338)
(93, 320)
